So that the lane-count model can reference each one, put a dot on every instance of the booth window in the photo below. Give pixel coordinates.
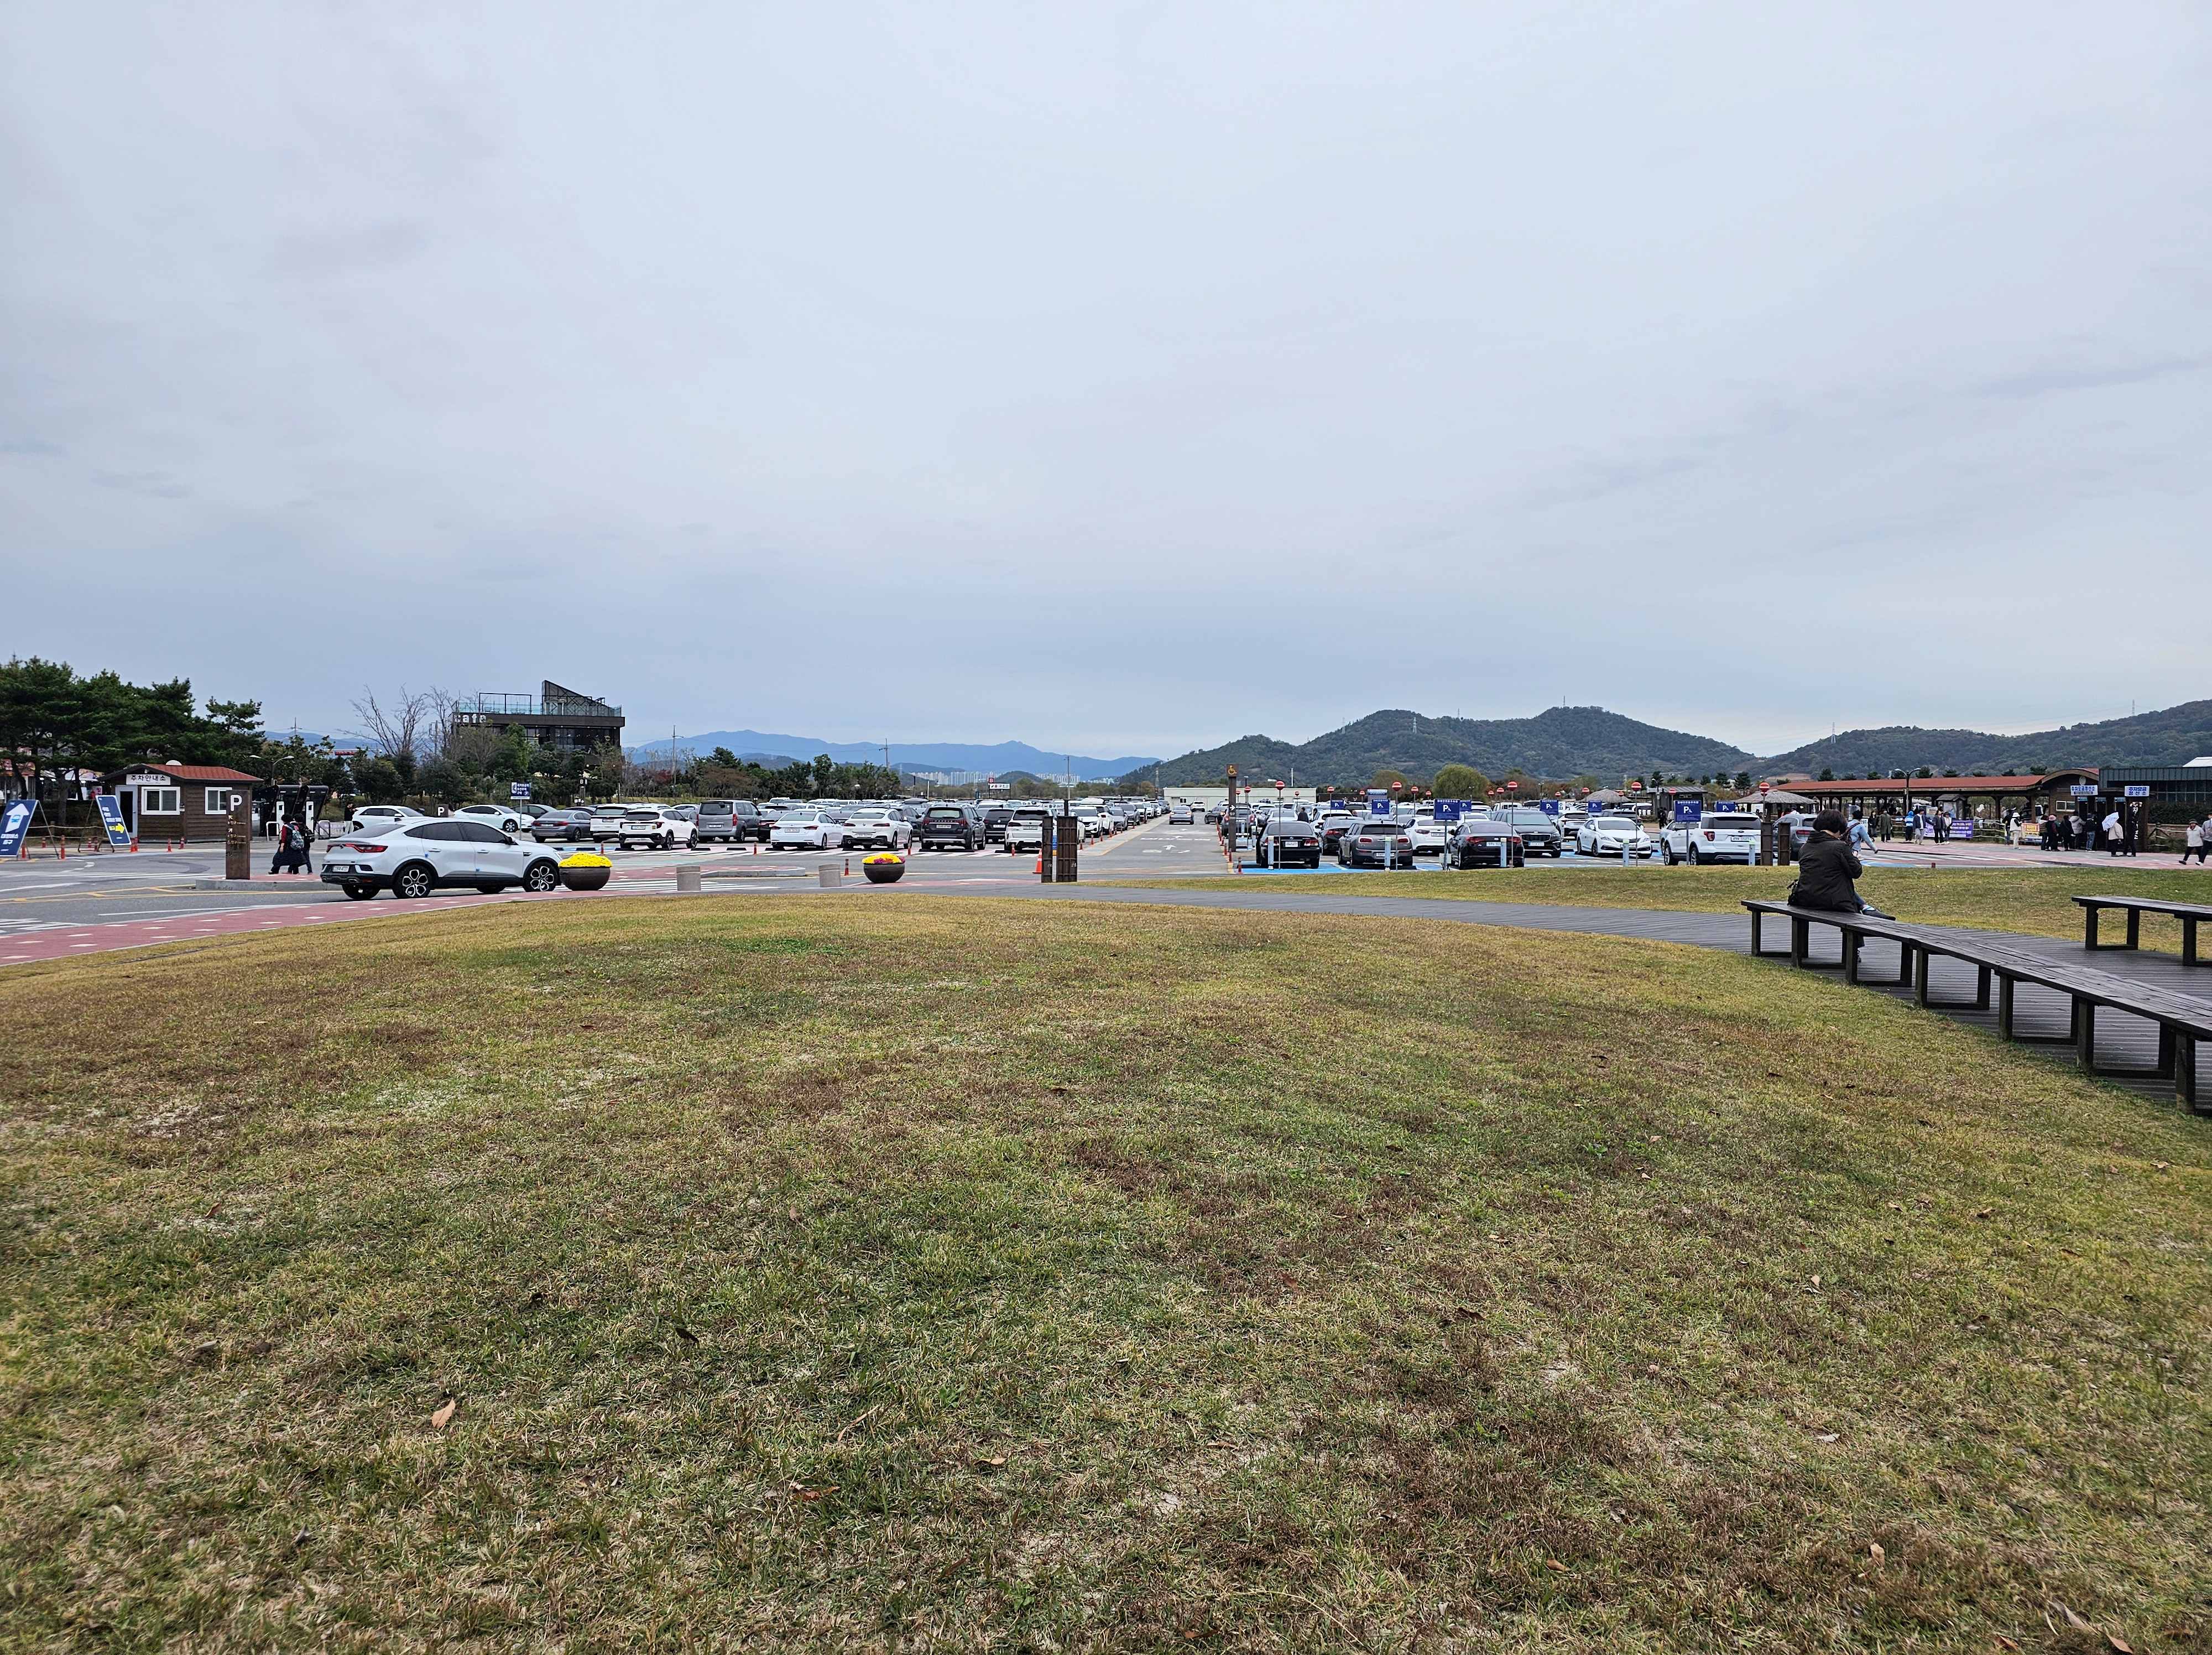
(160, 801)
(218, 801)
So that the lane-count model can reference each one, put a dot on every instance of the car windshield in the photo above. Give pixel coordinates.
(1731, 821)
(1615, 824)
(715, 808)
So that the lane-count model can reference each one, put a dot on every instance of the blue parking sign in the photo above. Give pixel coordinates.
(14, 825)
(1549, 806)
(1378, 802)
(1448, 810)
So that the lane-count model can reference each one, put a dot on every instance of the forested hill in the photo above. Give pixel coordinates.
(1564, 741)
(2171, 735)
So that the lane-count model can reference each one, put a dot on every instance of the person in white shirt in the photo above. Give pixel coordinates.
(2192, 843)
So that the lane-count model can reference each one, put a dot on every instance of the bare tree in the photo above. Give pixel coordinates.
(395, 730)
(439, 709)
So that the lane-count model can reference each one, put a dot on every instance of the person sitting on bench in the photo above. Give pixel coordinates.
(1827, 867)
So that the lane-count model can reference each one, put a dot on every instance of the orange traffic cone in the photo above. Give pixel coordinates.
(848, 864)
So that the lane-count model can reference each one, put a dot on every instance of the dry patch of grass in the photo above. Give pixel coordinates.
(813, 1272)
(2036, 900)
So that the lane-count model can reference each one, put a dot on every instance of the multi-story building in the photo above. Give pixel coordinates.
(562, 718)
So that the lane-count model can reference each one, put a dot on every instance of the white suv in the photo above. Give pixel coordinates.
(415, 858)
(1719, 836)
(655, 828)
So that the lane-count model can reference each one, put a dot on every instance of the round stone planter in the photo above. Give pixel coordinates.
(585, 872)
(885, 867)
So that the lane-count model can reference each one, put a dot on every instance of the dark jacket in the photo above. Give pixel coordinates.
(1825, 869)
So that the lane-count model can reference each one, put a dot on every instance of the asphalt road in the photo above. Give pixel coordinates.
(145, 891)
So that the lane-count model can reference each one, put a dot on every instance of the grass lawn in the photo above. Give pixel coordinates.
(829, 1273)
(2036, 900)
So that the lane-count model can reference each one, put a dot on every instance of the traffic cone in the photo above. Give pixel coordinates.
(848, 864)
(134, 844)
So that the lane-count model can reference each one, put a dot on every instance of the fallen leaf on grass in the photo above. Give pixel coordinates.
(1467, 1312)
(1981, 1212)
(218, 1200)
(2072, 1619)
(992, 1460)
(2119, 1643)
(1825, 1436)
(444, 1416)
(1875, 1552)
(686, 1335)
(2003, 1642)
(806, 1492)
(1552, 1563)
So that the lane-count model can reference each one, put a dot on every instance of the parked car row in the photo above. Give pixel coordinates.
(779, 824)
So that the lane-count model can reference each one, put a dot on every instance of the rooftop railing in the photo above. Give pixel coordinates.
(519, 706)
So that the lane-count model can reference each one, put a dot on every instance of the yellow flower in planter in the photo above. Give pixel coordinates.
(883, 866)
(882, 856)
(583, 870)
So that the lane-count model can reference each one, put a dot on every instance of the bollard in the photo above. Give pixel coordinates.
(832, 876)
(687, 881)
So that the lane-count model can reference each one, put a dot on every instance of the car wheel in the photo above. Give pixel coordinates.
(541, 877)
(414, 880)
(357, 891)
(1694, 858)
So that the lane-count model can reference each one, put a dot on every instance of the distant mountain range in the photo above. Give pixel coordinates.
(2172, 735)
(1568, 741)
(1563, 742)
(996, 759)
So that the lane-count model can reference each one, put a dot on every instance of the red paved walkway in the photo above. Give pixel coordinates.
(68, 941)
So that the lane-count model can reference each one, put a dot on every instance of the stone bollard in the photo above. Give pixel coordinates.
(687, 881)
(832, 876)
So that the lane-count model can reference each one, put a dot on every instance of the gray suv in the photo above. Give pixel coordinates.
(733, 819)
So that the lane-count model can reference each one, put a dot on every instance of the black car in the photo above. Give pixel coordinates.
(1539, 833)
(561, 824)
(949, 827)
(995, 824)
(1287, 841)
(1332, 827)
(1478, 844)
(1376, 842)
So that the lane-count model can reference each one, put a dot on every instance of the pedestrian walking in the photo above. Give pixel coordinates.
(2192, 843)
(2116, 832)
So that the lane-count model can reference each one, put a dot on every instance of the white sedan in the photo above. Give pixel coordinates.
(804, 829)
(872, 828)
(374, 818)
(1612, 836)
(1430, 836)
(505, 819)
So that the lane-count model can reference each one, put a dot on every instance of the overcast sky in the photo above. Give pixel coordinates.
(1121, 380)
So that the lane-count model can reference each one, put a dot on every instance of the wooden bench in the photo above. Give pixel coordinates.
(2189, 913)
(2183, 1021)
